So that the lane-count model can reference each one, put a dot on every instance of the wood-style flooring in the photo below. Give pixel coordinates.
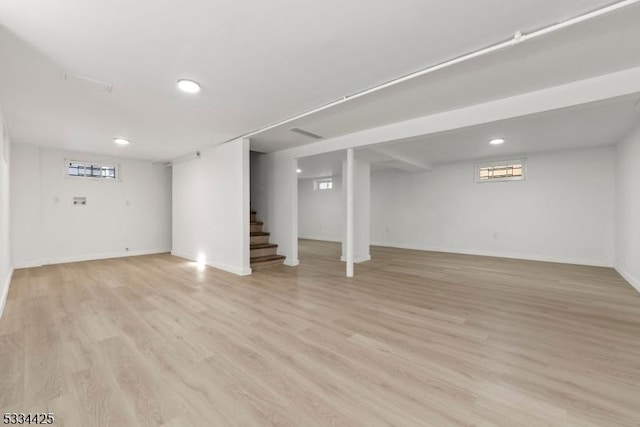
(415, 339)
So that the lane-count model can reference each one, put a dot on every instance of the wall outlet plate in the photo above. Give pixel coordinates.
(79, 201)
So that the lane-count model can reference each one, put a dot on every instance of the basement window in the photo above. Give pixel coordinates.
(323, 184)
(84, 169)
(506, 170)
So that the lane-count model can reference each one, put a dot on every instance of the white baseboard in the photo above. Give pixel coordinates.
(224, 267)
(94, 257)
(498, 254)
(357, 259)
(320, 238)
(291, 262)
(633, 281)
(5, 292)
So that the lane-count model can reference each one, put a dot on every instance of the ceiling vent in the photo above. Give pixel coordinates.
(305, 133)
(86, 83)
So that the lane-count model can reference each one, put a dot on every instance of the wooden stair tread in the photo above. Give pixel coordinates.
(259, 233)
(256, 223)
(263, 245)
(267, 258)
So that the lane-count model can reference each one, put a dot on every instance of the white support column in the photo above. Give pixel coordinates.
(350, 213)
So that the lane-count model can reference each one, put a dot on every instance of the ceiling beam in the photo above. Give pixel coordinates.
(568, 95)
(394, 154)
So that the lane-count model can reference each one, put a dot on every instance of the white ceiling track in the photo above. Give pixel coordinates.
(516, 39)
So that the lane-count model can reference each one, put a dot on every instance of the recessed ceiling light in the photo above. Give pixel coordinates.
(188, 86)
(496, 141)
(121, 141)
(299, 170)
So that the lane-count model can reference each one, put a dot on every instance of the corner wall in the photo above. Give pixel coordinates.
(211, 208)
(6, 267)
(281, 194)
(563, 211)
(627, 230)
(131, 216)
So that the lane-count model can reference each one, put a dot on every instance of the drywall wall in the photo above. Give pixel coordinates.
(211, 208)
(627, 253)
(258, 179)
(321, 212)
(129, 216)
(562, 212)
(6, 267)
(281, 215)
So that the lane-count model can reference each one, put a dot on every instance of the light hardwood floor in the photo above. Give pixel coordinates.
(416, 339)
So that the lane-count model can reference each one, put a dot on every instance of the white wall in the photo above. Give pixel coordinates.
(281, 194)
(259, 200)
(562, 212)
(6, 267)
(211, 208)
(131, 216)
(627, 254)
(320, 212)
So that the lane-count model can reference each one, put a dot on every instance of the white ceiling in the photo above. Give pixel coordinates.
(260, 62)
(587, 50)
(588, 125)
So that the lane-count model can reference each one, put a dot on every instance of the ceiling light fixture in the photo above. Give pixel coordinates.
(188, 86)
(121, 141)
(299, 170)
(496, 141)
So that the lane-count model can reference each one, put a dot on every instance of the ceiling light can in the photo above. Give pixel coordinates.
(188, 86)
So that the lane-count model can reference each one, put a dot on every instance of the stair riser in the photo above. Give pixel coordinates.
(255, 240)
(260, 265)
(263, 252)
(256, 228)
(253, 218)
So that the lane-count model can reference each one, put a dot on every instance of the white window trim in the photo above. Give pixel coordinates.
(522, 161)
(118, 178)
(316, 183)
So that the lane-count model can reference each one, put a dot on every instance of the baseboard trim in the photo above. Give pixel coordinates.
(5, 293)
(224, 267)
(321, 239)
(633, 281)
(94, 257)
(497, 254)
(357, 259)
(291, 262)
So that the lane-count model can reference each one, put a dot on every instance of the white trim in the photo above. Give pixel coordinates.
(5, 294)
(357, 258)
(83, 258)
(224, 267)
(321, 238)
(498, 254)
(633, 281)
(291, 262)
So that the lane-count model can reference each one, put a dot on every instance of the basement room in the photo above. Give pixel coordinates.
(320, 213)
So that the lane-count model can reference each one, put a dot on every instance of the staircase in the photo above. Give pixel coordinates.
(263, 253)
